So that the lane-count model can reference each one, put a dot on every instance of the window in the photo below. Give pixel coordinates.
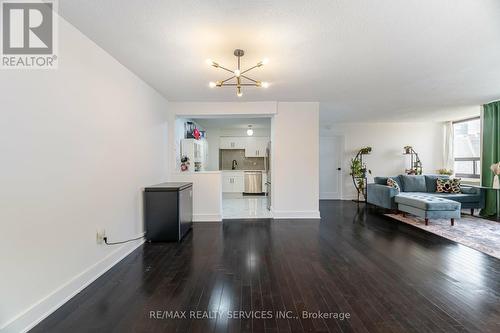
(466, 147)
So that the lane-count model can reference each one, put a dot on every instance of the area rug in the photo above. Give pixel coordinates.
(477, 233)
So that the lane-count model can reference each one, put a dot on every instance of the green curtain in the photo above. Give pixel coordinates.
(491, 153)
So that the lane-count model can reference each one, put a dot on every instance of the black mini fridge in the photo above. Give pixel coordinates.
(168, 211)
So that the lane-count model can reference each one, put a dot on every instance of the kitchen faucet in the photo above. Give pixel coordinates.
(233, 166)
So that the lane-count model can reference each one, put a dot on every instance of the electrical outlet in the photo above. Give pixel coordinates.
(99, 237)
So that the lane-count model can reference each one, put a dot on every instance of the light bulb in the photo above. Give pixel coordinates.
(249, 132)
(239, 94)
(212, 84)
(265, 84)
(263, 62)
(237, 73)
(210, 62)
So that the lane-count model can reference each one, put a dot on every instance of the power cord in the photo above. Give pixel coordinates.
(126, 241)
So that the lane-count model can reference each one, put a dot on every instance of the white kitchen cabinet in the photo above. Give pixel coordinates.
(239, 183)
(233, 182)
(228, 142)
(256, 147)
(227, 184)
(251, 148)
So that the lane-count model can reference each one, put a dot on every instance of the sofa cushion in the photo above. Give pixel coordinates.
(431, 182)
(426, 202)
(383, 181)
(448, 185)
(413, 183)
(380, 180)
(460, 197)
(381, 195)
(470, 190)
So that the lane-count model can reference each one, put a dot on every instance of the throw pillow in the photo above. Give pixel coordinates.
(392, 183)
(448, 185)
(414, 183)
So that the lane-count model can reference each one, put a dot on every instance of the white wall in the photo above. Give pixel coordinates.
(238, 109)
(295, 161)
(387, 141)
(243, 131)
(77, 145)
(177, 134)
(213, 141)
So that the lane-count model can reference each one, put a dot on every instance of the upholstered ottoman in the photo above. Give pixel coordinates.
(428, 207)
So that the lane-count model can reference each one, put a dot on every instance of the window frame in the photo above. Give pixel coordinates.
(476, 173)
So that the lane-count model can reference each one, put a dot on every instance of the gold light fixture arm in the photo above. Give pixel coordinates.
(224, 68)
(250, 79)
(249, 69)
(229, 78)
(241, 85)
(238, 75)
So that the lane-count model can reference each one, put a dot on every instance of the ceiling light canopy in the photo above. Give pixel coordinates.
(239, 78)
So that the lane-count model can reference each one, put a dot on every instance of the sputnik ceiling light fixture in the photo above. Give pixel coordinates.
(238, 76)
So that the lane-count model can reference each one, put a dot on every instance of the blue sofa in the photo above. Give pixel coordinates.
(379, 194)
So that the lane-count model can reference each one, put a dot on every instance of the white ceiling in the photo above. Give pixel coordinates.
(362, 60)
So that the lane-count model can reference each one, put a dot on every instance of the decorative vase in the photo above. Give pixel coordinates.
(496, 182)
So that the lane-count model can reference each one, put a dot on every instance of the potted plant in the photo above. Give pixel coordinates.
(365, 151)
(415, 162)
(359, 171)
(447, 172)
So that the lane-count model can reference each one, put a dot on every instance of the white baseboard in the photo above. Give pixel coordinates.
(330, 196)
(207, 218)
(349, 198)
(298, 214)
(47, 305)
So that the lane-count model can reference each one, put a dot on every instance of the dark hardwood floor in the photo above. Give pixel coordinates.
(388, 276)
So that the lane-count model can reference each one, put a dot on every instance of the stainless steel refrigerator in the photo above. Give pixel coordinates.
(268, 174)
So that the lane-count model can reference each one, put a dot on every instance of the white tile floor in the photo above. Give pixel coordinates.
(238, 206)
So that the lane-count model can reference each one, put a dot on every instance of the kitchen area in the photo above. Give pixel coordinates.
(240, 149)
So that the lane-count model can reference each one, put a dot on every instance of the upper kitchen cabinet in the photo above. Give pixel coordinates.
(256, 147)
(227, 142)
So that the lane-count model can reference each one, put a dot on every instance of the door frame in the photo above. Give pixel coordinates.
(341, 174)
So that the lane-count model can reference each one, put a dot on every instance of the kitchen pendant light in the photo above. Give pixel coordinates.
(249, 130)
(238, 77)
